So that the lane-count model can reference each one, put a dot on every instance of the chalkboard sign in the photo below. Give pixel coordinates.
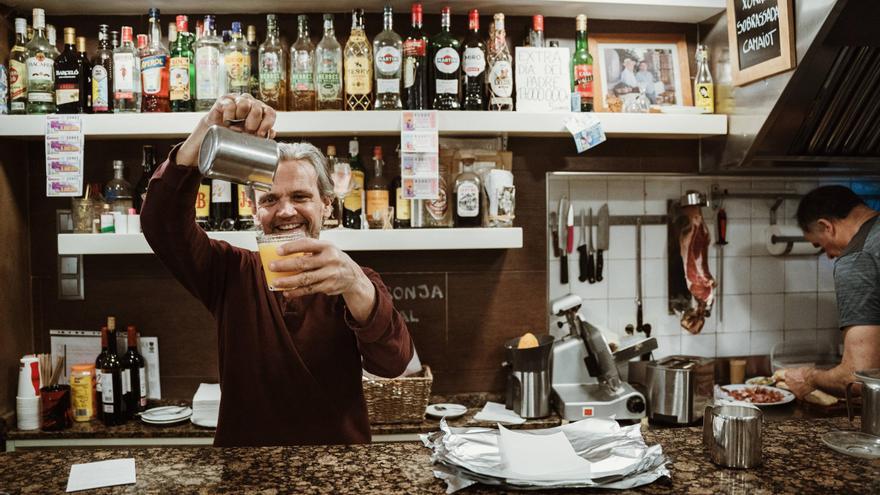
(762, 32)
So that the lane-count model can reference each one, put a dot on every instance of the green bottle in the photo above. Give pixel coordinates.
(582, 66)
(183, 69)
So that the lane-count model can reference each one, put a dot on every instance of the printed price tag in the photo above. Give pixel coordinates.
(65, 147)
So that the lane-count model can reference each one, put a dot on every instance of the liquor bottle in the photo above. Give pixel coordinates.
(99, 366)
(112, 405)
(102, 73)
(126, 75)
(236, 58)
(474, 66)
(358, 66)
(114, 40)
(245, 208)
(253, 48)
(172, 33)
(302, 68)
(154, 69)
(387, 56)
(134, 378)
(203, 205)
(118, 191)
(85, 75)
(582, 66)
(500, 76)
(704, 89)
(222, 207)
(182, 73)
(40, 69)
(148, 165)
(51, 35)
(143, 41)
(67, 76)
(445, 66)
(536, 34)
(401, 205)
(333, 220)
(377, 192)
(328, 69)
(273, 72)
(351, 206)
(4, 84)
(415, 64)
(18, 69)
(209, 50)
(467, 198)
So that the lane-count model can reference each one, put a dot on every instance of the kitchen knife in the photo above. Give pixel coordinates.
(554, 233)
(584, 255)
(569, 230)
(602, 234)
(563, 239)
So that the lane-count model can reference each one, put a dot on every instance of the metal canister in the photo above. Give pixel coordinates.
(238, 157)
(732, 435)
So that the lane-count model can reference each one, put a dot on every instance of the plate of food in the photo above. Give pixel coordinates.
(759, 395)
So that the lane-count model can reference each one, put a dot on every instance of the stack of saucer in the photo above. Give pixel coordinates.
(166, 415)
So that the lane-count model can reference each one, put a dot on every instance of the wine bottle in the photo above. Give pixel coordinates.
(134, 376)
(99, 365)
(111, 381)
(222, 207)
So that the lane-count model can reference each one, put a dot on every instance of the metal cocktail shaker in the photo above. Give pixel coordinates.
(732, 435)
(238, 157)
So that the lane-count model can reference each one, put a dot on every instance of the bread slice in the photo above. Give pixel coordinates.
(817, 396)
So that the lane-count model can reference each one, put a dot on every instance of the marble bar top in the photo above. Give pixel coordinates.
(795, 461)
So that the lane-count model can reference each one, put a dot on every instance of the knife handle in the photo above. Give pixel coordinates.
(591, 269)
(600, 264)
(583, 263)
(556, 250)
(569, 240)
(563, 268)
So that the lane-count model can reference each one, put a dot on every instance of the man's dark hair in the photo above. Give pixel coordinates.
(828, 202)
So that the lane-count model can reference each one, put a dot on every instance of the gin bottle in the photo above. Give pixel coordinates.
(236, 57)
(208, 51)
(302, 68)
(126, 90)
(328, 69)
(273, 73)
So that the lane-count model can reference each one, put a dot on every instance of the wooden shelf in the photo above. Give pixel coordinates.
(375, 123)
(347, 240)
(688, 11)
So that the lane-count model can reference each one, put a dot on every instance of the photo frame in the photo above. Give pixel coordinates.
(627, 64)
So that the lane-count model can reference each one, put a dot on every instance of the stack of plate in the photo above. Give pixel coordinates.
(166, 415)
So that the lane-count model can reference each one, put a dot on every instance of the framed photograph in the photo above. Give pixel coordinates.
(626, 65)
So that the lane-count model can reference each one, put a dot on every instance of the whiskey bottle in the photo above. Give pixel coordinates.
(245, 208)
(582, 66)
(18, 69)
(500, 77)
(222, 207)
(67, 70)
(254, 48)
(203, 205)
(154, 69)
(126, 74)
(377, 192)
(474, 66)
(704, 89)
(182, 73)
(445, 66)
(273, 72)
(467, 198)
(208, 51)
(302, 68)
(415, 64)
(352, 205)
(236, 58)
(85, 75)
(102, 73)
(328, 69)
(358, 66)
(387, 56)
(40, 69)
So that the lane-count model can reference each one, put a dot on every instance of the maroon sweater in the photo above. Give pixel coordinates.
(290, 372)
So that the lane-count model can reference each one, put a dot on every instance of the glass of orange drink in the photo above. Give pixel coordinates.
(268, 246)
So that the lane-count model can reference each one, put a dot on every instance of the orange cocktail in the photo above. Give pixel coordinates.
(268, 245)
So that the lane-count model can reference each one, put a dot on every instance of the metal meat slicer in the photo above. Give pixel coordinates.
(586, 382)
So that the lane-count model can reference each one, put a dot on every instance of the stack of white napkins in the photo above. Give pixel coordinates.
(596, 453)
(494, 412)
(206, 405)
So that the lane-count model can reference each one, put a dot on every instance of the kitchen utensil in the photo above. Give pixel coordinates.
(854, 443)
(155, 412)
(445, 410)
(238, 157)
(563, 240)
(732, 435)
(720, 242)
(569, 230)
(724, 393)
(603, 232)
(554, 233)
(529, 378)
(640, 325)
(587, 268)
(679, 388)
(870, 380)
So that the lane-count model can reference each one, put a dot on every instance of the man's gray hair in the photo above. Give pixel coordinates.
(310, 153)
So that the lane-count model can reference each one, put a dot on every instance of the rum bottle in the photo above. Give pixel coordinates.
(415, 64)
(102, 73)
(273, 73)
(582, 66)
(182, 73)
(67, 71)
(302, 68)
(126, 75)
(358, 66)
(328, 69)
(377, 192)
(500, 77)
(236, 58)
(704, 89)
(388, 58)
(474, 66)
(352, 206)
(208, 51)
(134, 378)
(40, 69)
(445, 66)
(18, 69)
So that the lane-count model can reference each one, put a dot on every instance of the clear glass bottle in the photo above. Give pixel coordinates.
(473, 75)
(155, 69)
(255, 63)
(273, 71)
(378, 199)
(388, 58)
(67, 69)
(328, 69)
(467, 197)
(18, 69)
(114, 40)
(52, 36)
(445, 66)
(102, 73)
(353, 203)
(704, 87)
(582, 66)
(85, 75)
(118, 191)
(182, 73)
(208, 51)
(236, 58)
(358, 66)
(415, 64)
(302, 68)
(500, 76)
(126, 75)
(40, 69)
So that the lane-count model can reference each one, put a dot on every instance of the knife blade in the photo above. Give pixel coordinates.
(591, 266)
(554, 233)
(563, 241)
(602, 234)
(583, 253)
(569, 229)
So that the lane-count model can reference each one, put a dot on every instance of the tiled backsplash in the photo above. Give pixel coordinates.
(767, 299)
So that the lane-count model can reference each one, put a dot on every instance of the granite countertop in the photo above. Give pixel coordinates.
(795, 461)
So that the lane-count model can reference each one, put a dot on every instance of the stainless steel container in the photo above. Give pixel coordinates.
(238, 157)
(679, 388)
(870, 380)
(732, 435)
(529, 381)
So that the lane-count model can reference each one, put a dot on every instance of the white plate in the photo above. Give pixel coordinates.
(166, 415)
(786, 395)
(854, 443)
(166, 421)
(445, 410)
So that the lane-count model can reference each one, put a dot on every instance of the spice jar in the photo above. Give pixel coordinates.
(82, 384)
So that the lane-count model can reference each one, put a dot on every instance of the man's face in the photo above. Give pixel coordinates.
(294, 203)
(629, 63)
(825, 234)
(643, 67)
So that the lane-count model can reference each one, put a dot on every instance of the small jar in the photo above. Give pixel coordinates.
(82, 384)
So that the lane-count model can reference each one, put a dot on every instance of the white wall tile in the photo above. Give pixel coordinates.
(826, 274)
(800, 336)
(762, 342)
(759, 237)
(736, 278)
(732, 344)
(739, 238)
(588, 193)
(736, 314)
(555, 288)
(800, 311)
(761, 207)
(654, 278)
(656, 312)
(667, 345)
(654, 242)
(658, 192)
(768, 275)
(621, 312)
(622, 278)
(767, 312)
(790, 206)
(698, 345)
(621, 243)
(826, 310)
(801, 273)
(626, 196)
(596, 312)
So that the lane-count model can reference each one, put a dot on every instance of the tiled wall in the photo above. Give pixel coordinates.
(766, 299)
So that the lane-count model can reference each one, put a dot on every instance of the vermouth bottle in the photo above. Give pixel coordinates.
(358, 66)
(500, 77)
(154, 69)
(273, 73)
(102, 73)
(18, 69)
(415, 64)
(208, 51)
(445, 66)
(182, 76)
(67, 69)
(126, 74)
(40, 69)
(302, 68)
(474, 66)
(328, 69)
(387, 56)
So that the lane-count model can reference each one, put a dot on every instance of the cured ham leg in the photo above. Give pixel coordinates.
(694, 245)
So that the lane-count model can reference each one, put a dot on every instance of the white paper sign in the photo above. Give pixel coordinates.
(543, 79)
(64, 155)
(419, 162)
(103, 473)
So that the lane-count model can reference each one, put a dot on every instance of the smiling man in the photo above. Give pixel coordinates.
(291, 361)
(837, 220)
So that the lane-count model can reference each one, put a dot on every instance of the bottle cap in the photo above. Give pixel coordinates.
(377, 152)
(153, 12)
(126, 34)
(119, 163)
(81, 44)
(581, 22)
(354, 147)
(142, 41)
(331, 150)
(20, 25)
(417, 11)
(111, 320)
(132, 211)
(538, 22)
(474, 20)
(182, 23)
(69, 36)
(39, 18)
(82, 367)
(236, 27)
